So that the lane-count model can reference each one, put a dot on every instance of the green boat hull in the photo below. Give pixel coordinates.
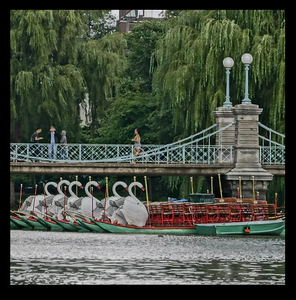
(91, 226)
(50, 224)
(34, 223)
(20, 223)
(118, 228)
(268, 227)
(13, 226)
(70, 226)
(44, 224)
(83, 229)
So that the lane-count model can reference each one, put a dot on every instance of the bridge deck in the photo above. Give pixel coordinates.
(126, 169)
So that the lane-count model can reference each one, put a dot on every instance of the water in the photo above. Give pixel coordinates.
(71, 258)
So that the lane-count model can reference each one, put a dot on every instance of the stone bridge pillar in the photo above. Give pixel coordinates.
(243, 136)
(225, 116)
(247, 154)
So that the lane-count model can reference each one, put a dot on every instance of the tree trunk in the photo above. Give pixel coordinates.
(150, 189)
(12, 196)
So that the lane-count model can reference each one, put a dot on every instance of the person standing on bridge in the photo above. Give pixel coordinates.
(137, 147)
(64, 147)
(35, 138)
(53, 139)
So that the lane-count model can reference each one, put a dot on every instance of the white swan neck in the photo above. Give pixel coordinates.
(136, 183)
(67, 182)
(87, 186)
(78, 183)
(115, 185)
(46, 187)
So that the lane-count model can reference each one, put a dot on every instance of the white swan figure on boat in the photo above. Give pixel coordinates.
(133, 210)
(27, 205)
(73, 196)
(117, 200)
(90, 204)
(58, 200)
(45, 202)
(69, 208)
(113, 202)
(36, 204)
(49, 197)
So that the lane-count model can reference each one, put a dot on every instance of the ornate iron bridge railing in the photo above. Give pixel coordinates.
(272, 148)
(198, 148)
(90, 153)
(195, 149)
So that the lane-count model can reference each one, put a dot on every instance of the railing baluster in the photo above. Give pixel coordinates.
(270, 147)
(167, 155)
(209, 150)
(28, 150)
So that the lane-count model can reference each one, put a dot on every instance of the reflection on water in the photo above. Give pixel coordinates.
(101, 258)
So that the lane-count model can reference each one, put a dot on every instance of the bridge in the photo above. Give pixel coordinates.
(237, 146)
(192, 156)
(125, 169)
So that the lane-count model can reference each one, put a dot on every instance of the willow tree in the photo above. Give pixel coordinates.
(190, 77)
(102, 62)
(45, 84)
(44, 79)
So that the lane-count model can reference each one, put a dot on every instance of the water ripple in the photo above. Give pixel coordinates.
(68, 258)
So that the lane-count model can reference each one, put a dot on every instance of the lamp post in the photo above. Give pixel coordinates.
(247, 59)
(228, 64)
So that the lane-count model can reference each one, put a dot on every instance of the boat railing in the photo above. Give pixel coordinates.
(189, 213)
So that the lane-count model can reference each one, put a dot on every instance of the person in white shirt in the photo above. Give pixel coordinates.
(53, 139)
(63, 142)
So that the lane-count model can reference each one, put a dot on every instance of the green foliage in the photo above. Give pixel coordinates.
(277, 185)
(126, 113)
(47, 83)
(140, 44)
(21, 179)
(165, 77)
(101, 25)
(102, 63)
(190, 76)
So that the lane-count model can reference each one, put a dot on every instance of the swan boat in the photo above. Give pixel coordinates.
(28, 219)
(111, 208)
(88, 206)
(63, 214)
(66, 224)
(265, 227)
(120, 228)
(117, 214)
(202, 219)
